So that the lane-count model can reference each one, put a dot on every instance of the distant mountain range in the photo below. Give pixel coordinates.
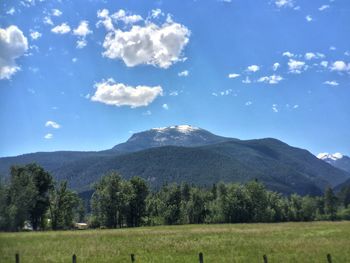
(338, 160)
(188, 154)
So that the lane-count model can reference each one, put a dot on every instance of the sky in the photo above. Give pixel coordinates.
(86, 74)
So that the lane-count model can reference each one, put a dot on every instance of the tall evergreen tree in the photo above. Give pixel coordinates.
(330, 203)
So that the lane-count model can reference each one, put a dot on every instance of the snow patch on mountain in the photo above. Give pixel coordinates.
(329, 156)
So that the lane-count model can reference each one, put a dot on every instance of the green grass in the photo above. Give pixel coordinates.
(284, 242)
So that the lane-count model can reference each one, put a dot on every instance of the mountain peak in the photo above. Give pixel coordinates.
(177, 135)
(179, 128)
(329, 156)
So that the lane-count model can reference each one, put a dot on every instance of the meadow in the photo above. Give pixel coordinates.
(281, 242)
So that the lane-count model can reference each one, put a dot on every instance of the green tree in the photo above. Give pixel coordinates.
(110, 200)
(137, 203)
(63, 205)
(330, 203)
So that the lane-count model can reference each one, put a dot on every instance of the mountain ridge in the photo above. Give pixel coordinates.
(185, 153)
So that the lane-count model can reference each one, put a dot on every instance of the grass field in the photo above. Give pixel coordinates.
(284, 242)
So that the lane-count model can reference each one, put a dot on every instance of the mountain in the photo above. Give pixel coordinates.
(189, 154)
(179, 135)
(337, 159)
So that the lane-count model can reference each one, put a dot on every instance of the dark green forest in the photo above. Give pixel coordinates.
(31, 197)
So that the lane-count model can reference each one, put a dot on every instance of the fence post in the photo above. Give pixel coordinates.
(201, 257)
(132, 257)
(74, 258)
(265, 259)
(17, 258)
(329, 258)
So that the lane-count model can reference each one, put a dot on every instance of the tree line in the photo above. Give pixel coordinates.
(31, 196)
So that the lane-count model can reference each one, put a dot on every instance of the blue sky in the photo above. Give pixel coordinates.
(84, 75)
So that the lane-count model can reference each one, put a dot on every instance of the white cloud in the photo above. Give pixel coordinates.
(83, 29)
(273, 79)
(275, 108)
(151, 44)
(184, 73)
(47, 20)
(324, 64)
(288, 54)
(347, 53)
(156, 13)
(284, 3)
(295, 106)
(64, 28)
(233, 75)
(308, 18)
(323, 7)
(331, 83)
(165, 106)
(246, 80)
(332, 48)
(13, 44)
(52, 124)
(296, 66)
(276, 66)
(310, 55)
(11, 11)
(56, 12)
(48, 136)
(253, 68)
(118, 94)
(248, 103)
(81, 43)
(35, 35)
(340, 66)
(105, 20)
(121, 15)
(74, 60)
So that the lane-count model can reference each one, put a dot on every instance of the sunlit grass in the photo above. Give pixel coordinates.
(285, 242)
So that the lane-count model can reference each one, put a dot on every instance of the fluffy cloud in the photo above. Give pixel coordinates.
(184, 73)
(296, 66)
(83, 29)
(331, 83)
(340, 66)
(151, 44)
(13, 44)
(233, 75)
(121, 15)
(64, 28)
(118, 94)
(105, 20)
(35, 35)
(324, 64)
(52, 124)
(274, 79)
(253, 68)
(165, 106)
(47, 20)
(56, 12)
(248, 103)
(284, 3)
